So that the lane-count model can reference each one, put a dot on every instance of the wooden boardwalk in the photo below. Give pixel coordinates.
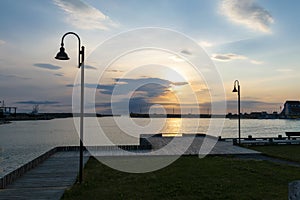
(52, 177)
(48, 180)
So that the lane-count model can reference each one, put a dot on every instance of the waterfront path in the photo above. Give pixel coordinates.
(169, 146)
(52, 177)
(48, 180)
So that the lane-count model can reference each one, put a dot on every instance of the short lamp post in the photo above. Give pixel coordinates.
(238, 90)
(62, 55)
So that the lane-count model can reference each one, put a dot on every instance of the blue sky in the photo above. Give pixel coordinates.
(256, 42)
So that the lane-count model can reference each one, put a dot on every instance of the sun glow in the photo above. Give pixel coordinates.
(173, 75)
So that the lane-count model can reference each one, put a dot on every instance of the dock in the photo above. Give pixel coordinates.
(48, 176)
(48, 180)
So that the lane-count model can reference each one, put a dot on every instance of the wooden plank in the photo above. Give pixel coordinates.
(48, 180)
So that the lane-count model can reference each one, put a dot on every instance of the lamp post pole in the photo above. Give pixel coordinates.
(62, 55)
(238, 90)
(81, 115)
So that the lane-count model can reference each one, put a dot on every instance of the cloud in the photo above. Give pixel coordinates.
(149, 87)
(59, 74)
(231, 56)
(252, 105)
(2, 42)
(140, 99)
(180, 83)
(87, 85)
(228, 57)
(89, 67)
(247, 13)
(141, 91)
(47, 66)
(83, 16)
(70, 85)
(37, 102)
(106, 89)
(256, 62)
(176, 58)
(152, 90)
(186, 52)
(246, 106)
(205, 44)
(10, 76)
(114, 71)
(136, 104)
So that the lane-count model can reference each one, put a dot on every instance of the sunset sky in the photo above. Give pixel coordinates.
(256, 42)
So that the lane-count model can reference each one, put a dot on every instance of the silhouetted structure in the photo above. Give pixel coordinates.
(155, 115)
(8, 111)
(291, 109)
(62, 55)
(238, 91)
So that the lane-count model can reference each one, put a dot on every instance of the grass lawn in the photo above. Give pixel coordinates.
(287, 152)
(188, 178)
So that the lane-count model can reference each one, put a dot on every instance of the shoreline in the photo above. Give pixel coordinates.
(5, 122)
(47, 116)
(50, 116)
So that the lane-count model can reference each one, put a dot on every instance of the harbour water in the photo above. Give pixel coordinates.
(22, 141)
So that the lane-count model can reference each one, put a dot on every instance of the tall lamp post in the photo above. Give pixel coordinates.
(62, 55)
(238, 90)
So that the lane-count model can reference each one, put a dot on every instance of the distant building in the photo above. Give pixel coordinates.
(261, 115)
(291, 109)
(6, 111)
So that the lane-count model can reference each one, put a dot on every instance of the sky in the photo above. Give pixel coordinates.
(255, 42)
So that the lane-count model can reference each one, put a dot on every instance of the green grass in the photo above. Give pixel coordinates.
(188, 178)
(287, 152)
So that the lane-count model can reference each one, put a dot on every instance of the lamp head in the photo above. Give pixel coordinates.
(234, 89)
(62, 55)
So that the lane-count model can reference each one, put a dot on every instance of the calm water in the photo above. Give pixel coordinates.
(22, 141)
